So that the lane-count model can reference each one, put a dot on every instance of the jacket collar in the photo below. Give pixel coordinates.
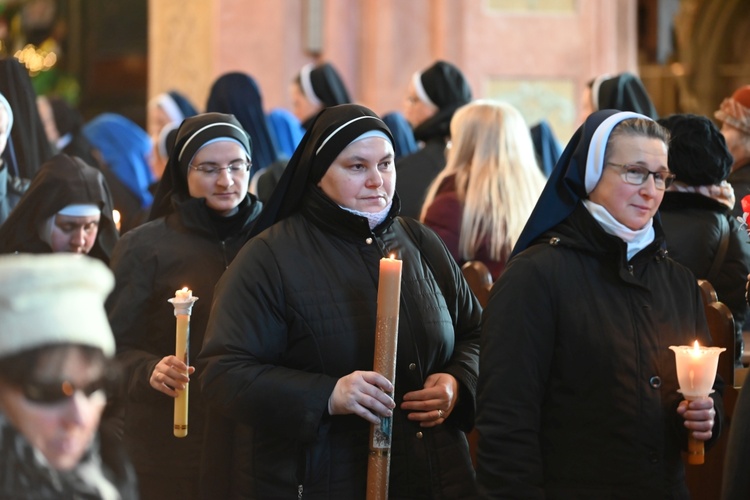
(324, 213)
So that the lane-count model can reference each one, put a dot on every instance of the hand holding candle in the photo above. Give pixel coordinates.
(183, 304)
(386, 341)
(696, 372)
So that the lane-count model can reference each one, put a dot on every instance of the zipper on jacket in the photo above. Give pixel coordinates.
(223, 244)
(299, 492)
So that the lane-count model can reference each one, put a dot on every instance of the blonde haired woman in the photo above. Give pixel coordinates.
(480, 202)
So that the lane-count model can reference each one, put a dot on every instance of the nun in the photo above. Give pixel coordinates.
(433, 95)
(67, 208)
(314, 88)
(624, 92)
(583, 316)
(201, 217)
(290, 343)
(238, 94)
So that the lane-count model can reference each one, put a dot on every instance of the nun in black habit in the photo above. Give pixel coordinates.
(201, 217)
(30, 147)
(317, 87)
(434, 95)
(624, 92)
(64, 182)
(584, 315)
(290, 343)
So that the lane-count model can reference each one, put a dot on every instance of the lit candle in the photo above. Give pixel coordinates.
(183, 304)
(116, 219)
(386, 341)
(696, 372)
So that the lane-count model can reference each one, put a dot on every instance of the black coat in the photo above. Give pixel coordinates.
(577, 394)
(150, 263)
(691, 225)
(415, 173)
(296, 311)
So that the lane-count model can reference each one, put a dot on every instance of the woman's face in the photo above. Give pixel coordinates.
(363, 176)
(74, 234)
(736, 144)
(416, 111)
(632, 206)
(302, 108)
(63, 430)
(222, 189)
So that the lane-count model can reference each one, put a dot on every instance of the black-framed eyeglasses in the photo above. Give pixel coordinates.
(52, 393)
(637, 175)
(212, 169)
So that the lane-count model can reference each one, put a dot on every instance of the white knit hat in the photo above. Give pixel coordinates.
(53, 299)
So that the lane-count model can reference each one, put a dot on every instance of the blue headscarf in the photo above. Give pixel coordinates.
(126, 148)
(286, 131)
(403, 136)
(238, 94)
(575, 175)
(547, 148)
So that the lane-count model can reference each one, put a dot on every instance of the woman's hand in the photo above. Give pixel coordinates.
(699, 417)
(364, 394)
(169, 374)
(432, 405)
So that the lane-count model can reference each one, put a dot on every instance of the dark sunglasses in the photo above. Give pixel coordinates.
(51, 393)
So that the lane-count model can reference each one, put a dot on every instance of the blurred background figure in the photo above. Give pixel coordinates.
(547, 147)
(238, 94)
(696, 213)
(67, 208)
(29, 147)
(12, 187)
(734, 114)
(56, 351)
(624, 92)
(165, 111)
(404, 143)
(432, 97)
(287, 132)
(481, 200)
(316, 87)
(63, 124)
(124, 150)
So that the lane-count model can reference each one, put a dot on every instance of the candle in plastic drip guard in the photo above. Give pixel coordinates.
(182, 301)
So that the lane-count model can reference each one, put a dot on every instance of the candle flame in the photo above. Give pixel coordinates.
(392, 256)
(116, 218)
(696, 347)
(185, 289)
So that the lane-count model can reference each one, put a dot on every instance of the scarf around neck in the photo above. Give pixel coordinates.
(636, 240)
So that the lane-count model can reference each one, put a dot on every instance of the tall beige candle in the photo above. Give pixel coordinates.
(183, 303)
(386, 341)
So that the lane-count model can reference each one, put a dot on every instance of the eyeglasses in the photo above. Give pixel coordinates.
(637, 175)
(212, 170)
(52, 393)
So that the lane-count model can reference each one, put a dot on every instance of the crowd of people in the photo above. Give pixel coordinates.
(277, 221)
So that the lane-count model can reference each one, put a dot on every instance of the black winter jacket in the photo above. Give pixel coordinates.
(691, 225)
(150, 263)
(296, 311)
(577, 395)
(416, 172)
